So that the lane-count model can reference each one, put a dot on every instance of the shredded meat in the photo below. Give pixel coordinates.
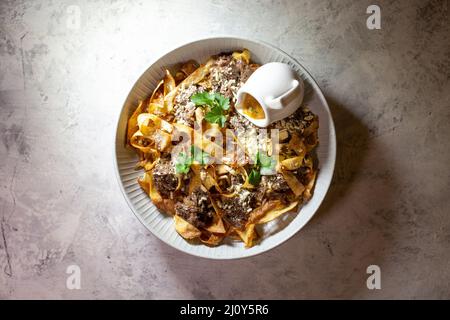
(276, 183)
(272, 187)
(164, 178)
(196, 208)
(236, 179)
(237, 209)
(184, 108)
(304, 174)
(296, 123)
(228, 75)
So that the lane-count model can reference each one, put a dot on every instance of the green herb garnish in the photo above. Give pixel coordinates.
(203, 98)
(199, 156)
(184, 160)
(265, 162)
(183, 163)
(216, 116)
(254, 177)
(263, 165)
(217, 104)
(223, 101)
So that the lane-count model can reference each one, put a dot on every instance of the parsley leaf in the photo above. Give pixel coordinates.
(203, 98)
(223, 101)
(199, 155)
(183, 163)
(216, 116)
(254, 177)
(264, 165)
(217, 104)
(265, 161)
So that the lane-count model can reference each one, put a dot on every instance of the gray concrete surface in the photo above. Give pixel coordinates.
(61, 88)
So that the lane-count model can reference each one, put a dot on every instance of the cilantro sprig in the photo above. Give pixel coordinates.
(264, 165)
(217, 105)
(185, 160)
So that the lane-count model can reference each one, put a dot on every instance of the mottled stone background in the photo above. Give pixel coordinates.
(61, 89)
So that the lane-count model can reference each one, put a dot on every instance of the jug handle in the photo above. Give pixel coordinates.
(279, 102)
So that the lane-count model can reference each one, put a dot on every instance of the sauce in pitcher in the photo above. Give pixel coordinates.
(252, 108)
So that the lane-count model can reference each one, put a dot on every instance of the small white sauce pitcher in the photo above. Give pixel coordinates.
(277, 89)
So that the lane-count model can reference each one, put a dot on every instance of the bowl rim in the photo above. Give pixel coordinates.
(332, 133)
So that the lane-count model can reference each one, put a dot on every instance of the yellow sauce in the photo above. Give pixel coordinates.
(251, 108)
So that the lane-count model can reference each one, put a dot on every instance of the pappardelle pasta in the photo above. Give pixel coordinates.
(215, 172)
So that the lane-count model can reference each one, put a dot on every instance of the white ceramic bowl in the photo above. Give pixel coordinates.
(275, 232)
